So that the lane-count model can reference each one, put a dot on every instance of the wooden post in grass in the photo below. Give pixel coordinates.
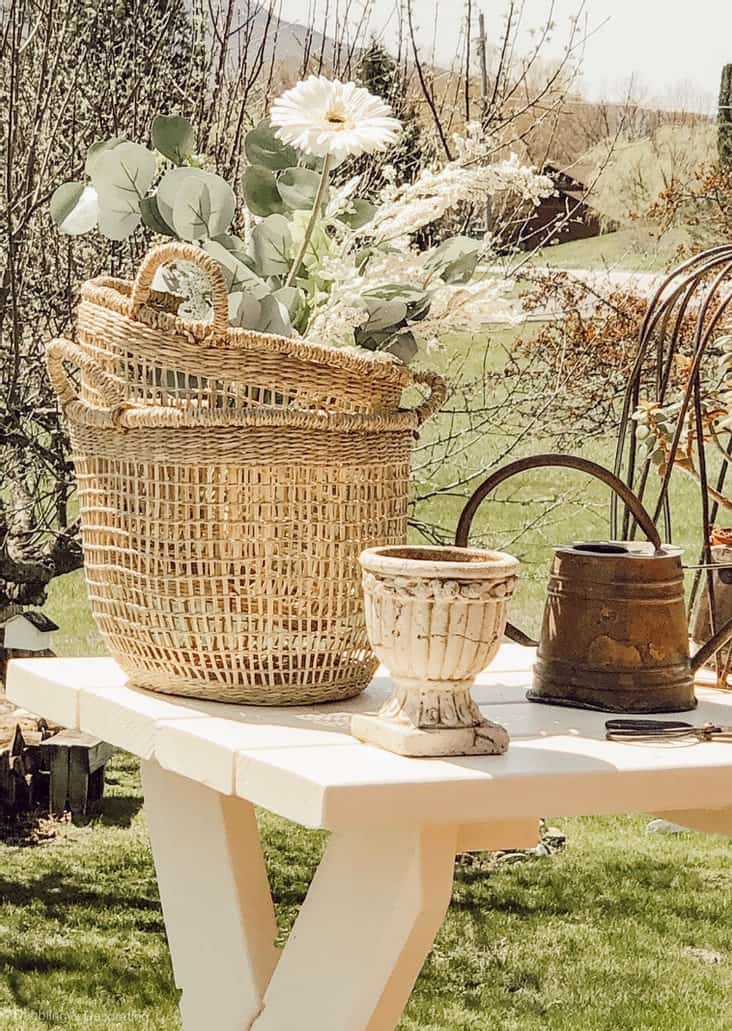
(483, 59)
(724, 118)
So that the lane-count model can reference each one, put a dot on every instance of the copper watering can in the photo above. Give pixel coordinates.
(615, 633)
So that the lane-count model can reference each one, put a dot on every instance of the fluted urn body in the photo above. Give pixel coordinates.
(435, 617)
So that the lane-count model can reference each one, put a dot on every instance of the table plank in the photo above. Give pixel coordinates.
(129, 716)
(302, 762)
(51, 687)
(563, 775)
(210, 746)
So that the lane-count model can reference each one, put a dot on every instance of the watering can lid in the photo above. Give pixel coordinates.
(619, 550)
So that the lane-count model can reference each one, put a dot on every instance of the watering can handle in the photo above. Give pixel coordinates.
(539, 462)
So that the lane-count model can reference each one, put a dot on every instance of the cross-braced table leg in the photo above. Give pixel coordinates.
(216, 901)
(369, 919)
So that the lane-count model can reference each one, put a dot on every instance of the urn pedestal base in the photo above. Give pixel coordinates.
(435, 617)
(486, 738)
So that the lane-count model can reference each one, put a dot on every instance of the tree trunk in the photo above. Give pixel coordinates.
(724, 121)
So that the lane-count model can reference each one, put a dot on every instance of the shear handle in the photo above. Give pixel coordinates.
(650, 730)
(645, 726)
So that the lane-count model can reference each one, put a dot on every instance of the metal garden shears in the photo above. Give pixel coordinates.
(662, 730)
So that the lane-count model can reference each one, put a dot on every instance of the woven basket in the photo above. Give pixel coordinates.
(221, 543)
(133, 334)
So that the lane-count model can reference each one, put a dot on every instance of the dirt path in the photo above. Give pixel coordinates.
(600, 283)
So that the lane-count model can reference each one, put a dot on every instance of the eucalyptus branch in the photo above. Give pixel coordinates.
(312, 222)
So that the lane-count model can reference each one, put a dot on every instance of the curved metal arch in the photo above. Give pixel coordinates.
(663, 327)
(699, 288)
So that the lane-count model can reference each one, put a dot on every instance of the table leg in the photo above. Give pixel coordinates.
(369, 919)
(710, 821)
(215, 897)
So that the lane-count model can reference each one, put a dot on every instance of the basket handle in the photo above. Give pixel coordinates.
(60, 351)
(178, 251)
(436, 397)
(539, 462)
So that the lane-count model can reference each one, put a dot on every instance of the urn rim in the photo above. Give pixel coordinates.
(436, 561)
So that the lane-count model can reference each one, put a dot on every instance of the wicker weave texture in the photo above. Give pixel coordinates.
(228, 482)
(134, 335)
(237, 581)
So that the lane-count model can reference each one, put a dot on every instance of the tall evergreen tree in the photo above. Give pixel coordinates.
(724, 131)
(380, 73)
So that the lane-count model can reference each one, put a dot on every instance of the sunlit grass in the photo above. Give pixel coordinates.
(635, 250)
(600, 936)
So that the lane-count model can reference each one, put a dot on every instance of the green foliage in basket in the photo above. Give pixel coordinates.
(301, 254)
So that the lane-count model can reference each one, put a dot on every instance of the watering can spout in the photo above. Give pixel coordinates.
(715, 642)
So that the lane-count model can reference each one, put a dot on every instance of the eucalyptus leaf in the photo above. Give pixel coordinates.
(274, 317)
(294, 301)
(152, 218)
(310, 161)
(400, 343)
(260, 191)
(237, 273)
(121, 177)
(245, 311)
(236, 246)
(262, 147)
(371, 341)
(363, 257)
(173, 137)
(403, 346)
(74, 208)
(298, 188)
(384, 314)
(203, 208)
(417, 301)
(455, 260)
(168, 189)
(272, 243)
(361, 213)
(97, 149)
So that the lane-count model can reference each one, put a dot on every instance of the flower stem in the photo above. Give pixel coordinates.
(322, 187)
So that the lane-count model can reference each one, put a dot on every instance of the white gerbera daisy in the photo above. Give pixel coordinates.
(333, 119)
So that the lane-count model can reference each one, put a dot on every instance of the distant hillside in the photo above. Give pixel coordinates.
(251, 27)
(576, 127)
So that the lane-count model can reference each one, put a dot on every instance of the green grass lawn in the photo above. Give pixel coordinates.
(633, 249)
(600, 936)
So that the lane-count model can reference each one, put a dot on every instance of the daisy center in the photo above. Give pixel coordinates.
(335, 118)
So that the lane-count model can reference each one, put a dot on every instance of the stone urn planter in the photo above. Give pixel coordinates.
(435, 617)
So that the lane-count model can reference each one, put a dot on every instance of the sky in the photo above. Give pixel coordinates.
(672, 49)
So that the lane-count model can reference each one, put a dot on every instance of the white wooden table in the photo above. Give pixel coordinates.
(381, 891)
